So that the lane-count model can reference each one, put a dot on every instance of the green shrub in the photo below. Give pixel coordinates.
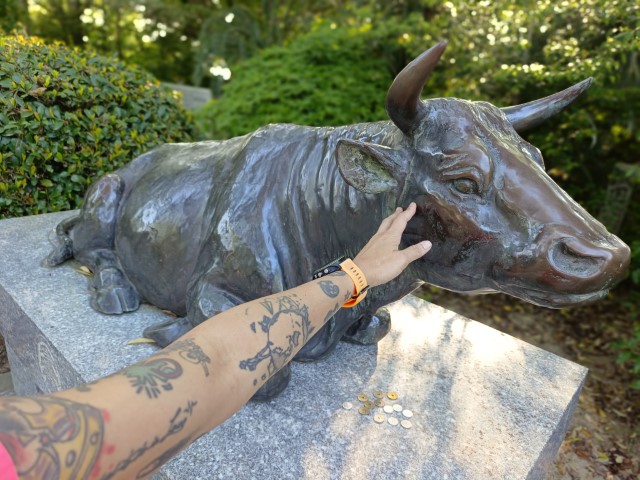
(331, 76)
(67, 117)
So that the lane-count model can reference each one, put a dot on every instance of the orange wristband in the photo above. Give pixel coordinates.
(360, 286)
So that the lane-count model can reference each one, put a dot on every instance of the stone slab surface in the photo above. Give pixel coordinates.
(6, 384)
(485, 405)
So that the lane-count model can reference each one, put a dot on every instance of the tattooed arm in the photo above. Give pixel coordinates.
(131, 423)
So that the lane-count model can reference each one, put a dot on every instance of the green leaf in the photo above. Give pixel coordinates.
(44, 133)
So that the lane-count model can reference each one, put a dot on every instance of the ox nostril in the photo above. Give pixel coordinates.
(570, 257)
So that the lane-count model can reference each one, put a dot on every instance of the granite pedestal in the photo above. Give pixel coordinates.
(484, 404)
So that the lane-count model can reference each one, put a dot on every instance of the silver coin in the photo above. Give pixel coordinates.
(392, 421)
(397, 407)
(388, 408)
(407, 413)
(378, 418)
(406, 423)
(347, 405)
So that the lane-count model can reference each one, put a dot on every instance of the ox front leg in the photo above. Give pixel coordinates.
(112, 294)
(166, 332)
(369, 329)
(323, 342)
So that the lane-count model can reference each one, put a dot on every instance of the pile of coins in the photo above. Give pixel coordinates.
(381, 404)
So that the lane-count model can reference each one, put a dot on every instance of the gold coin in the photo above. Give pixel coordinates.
(392, 421)
(369, 404)
(392, 395)
(406, 423)
(388, 409)
(363, 397)
(379, 403)
(347, 405)
(364, 411)
(378, 394)
(378, 418)
(397, 407)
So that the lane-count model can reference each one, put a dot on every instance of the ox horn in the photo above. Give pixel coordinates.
(528, 115)
(403, 99)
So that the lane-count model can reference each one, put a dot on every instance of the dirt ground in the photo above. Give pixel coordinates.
(603, 441)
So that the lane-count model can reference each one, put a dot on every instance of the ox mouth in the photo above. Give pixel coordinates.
(553, 299)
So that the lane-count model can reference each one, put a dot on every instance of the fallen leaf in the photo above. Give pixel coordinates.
(583, 454)
(140, 340)
(84, 271)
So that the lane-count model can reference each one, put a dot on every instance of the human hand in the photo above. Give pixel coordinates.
(380, 260)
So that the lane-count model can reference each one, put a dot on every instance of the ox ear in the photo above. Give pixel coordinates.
(367, 167)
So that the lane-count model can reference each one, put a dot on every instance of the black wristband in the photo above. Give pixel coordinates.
(329, 268)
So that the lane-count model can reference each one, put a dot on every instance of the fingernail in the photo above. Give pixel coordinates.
(426, 245)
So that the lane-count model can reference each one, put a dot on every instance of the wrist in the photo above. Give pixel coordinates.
(352, 271)
(360, 285)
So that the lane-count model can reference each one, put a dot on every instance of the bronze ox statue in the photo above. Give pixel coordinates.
(197, 228)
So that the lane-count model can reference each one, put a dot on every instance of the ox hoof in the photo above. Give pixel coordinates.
(274, 386)
(60, 254)
(113, 293)
(369, 329)
(321, 344)
(166, 332)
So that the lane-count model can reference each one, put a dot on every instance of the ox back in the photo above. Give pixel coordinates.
(259, 212)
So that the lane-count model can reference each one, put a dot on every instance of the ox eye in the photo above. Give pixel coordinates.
(466, 186)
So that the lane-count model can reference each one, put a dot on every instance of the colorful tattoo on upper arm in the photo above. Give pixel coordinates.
(51, 437)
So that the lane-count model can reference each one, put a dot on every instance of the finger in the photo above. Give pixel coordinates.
(402, 218)
(416, 251)
(386, 223)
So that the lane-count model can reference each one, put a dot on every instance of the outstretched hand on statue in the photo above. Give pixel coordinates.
(381, 260)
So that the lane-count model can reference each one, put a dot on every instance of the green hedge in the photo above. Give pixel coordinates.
(331, 76)
(67, 117)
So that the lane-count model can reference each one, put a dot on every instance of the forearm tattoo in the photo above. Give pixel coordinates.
(176, 425)
(330, 289)
(153, 376)
(278, 348)
(190, 351)
(50, 437)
